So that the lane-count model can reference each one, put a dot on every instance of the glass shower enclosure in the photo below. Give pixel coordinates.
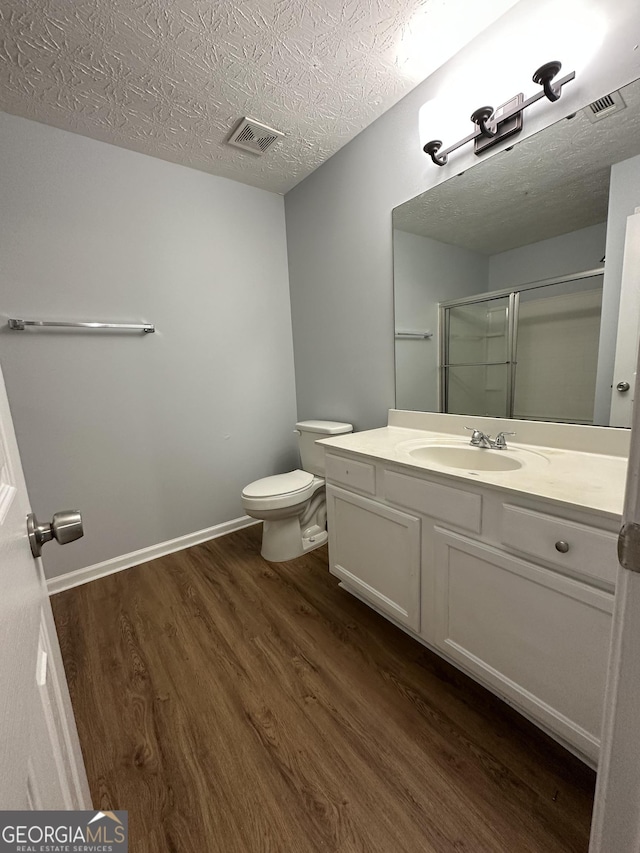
(529, 352)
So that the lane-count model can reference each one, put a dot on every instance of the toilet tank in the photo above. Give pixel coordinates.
(312, 454)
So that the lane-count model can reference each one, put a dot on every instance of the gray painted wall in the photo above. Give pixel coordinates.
(339, 234)
(574, 252)
(427, 272)
(154, 436)
(624, 197)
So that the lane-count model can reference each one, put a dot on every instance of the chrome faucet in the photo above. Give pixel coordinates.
(480, 439)
(501, 442)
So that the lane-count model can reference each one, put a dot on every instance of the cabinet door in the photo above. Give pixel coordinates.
(375, 551)
(536, 637)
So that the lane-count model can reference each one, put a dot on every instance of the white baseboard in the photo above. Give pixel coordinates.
(126, 561)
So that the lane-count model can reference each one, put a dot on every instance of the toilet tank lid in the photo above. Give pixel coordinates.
(324, 427)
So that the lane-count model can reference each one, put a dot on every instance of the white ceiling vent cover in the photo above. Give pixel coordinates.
(605, 106)
(254, 136)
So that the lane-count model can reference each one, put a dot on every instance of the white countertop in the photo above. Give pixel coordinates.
(585, 480)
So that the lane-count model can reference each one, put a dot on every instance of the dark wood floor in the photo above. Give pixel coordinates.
(238, 706)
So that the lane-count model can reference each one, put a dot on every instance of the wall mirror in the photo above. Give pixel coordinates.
(509, 294)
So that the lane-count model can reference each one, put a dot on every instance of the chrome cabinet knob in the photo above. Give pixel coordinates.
(562, 546)
(623, 386)
(66, 526)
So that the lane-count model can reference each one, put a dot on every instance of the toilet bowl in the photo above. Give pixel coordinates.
(292, 506)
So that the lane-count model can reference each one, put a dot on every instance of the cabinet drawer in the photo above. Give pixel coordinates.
(349, 472)
(462, 509)
(591, 553)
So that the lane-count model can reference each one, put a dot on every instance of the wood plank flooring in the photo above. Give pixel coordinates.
(238, 706)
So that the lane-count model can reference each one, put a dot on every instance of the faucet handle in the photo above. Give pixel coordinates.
(501, 439)
(477, 436)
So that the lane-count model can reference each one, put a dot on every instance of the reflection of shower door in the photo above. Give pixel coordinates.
(476, 342)
(558, 328)
(530, 354)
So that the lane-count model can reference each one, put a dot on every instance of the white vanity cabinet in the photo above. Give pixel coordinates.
(515, 590)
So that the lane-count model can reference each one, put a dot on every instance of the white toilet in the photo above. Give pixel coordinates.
(293, 505)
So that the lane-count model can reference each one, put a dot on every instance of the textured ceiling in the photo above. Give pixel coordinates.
(172, 81)
(550, 184)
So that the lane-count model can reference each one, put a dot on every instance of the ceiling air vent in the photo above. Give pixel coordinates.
(254, 136)
(606, 106)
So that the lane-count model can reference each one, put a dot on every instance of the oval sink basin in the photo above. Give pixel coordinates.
(469, 458)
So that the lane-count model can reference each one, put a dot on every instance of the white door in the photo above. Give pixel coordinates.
(40, 760)
(624, 371)
(616, 818)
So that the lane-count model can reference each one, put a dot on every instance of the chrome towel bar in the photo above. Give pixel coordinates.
(20, 325)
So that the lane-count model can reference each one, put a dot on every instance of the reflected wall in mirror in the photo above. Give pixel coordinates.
(509, 292)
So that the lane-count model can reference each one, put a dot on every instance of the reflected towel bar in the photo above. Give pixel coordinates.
(416, 335)
(20, 325)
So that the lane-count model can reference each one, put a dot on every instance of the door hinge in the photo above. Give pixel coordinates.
(629, 547)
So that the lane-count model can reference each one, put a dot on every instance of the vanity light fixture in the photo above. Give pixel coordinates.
(492, 126)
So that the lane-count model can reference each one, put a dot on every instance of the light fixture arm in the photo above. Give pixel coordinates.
(432, 148)
(480, 118)
(496, 128)
(544, 75)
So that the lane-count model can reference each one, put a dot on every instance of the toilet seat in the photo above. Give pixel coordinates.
(293, 507)
(281, 490)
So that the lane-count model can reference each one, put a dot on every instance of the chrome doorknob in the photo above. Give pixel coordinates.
(623, 386)
(66, 526)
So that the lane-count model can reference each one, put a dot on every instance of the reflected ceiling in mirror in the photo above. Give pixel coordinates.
(535, 212)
